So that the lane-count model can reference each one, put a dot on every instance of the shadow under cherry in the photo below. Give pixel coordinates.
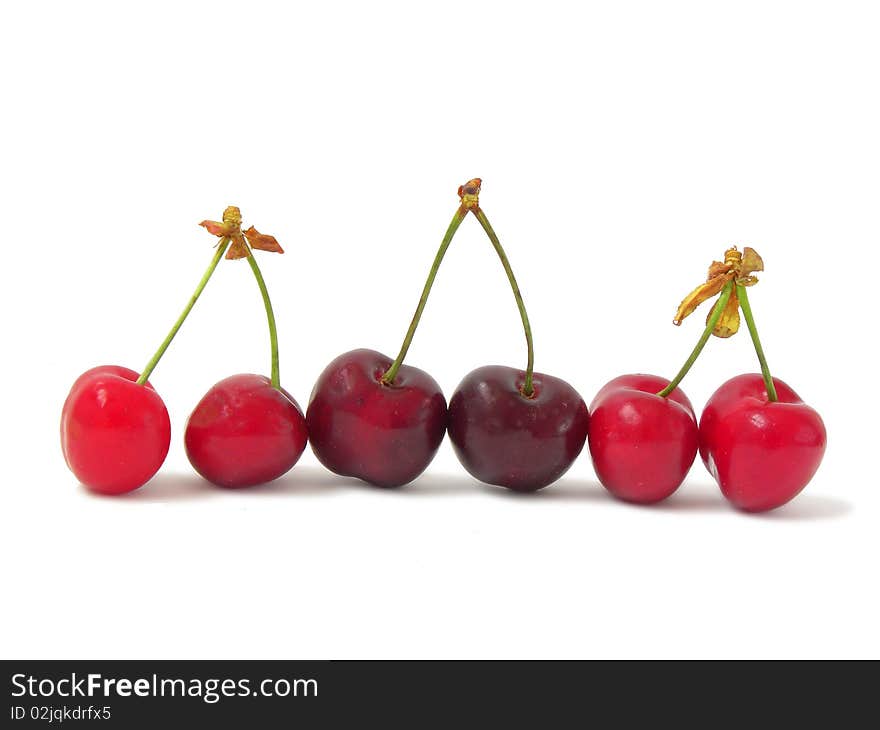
(313, 481)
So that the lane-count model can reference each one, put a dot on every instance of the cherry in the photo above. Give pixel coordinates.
(361, 426)
(642, 444)
(247, 429)
(245, 432)
(513, 428)
(378, 420)
(115, 433)
(761, 452)
(115, 429)
(506, 438)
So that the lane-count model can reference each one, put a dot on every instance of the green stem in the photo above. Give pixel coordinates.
(221, 249)
(527, 389)
(391, 373)
(704, 338)
(270, 316)
(743, 296)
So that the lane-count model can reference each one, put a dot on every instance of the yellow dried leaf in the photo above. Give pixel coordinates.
(728, 323)
(751, 262)
(698, 296)
(717, 268)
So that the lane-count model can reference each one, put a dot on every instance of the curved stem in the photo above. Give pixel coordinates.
(391, 373)
(221, 249)
(527, 389)
(743, 296)
(270, 316)
(704, 338)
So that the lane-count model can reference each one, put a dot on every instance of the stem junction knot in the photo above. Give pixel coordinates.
(470, 194)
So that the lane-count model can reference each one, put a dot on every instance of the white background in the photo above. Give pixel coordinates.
(622, 147)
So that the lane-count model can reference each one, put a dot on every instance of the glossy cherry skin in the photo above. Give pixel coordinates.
(504, 438)
(244, 432)
(360, 427)
(762, 454)
(642, 445)
(114, 433)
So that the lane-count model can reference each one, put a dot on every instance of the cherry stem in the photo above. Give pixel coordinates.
(704, 338)
(527, 389)
(743, 296)
(148, 370)
(270, 316)
(391, 373)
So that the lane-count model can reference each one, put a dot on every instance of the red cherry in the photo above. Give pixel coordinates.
(505, 438)
(244, 432)
(642, 445)
(761, 453)
(114, 433)
(385, 434)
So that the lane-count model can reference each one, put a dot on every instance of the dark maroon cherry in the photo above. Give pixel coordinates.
(359, 426)
(503, 437)
(514, 428)
(377, 419)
